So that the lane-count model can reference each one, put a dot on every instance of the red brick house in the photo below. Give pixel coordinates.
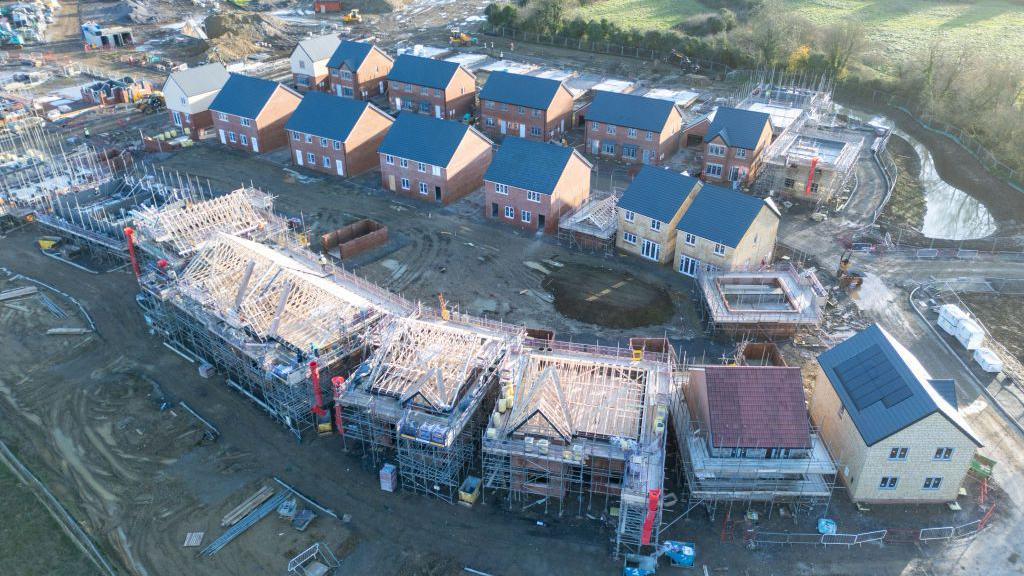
(431, 159)
(336, 136)
(250, 113)
(532, 184)
(188, 94)
(631, 128)
(733, 144)
(526, 106)
(359, 70)
(309, 62)
(431, 87)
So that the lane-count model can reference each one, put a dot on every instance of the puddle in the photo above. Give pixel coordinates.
(950, 213)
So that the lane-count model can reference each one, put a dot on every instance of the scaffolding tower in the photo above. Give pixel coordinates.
(592, 227)
(769, 302)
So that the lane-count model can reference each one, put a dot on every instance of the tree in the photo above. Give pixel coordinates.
(841, 43)
(728, 18)
(798, 58)
(771, 32)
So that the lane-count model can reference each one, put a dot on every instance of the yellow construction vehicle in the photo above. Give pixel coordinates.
(848, 280)
(154, 103)
(353, 16)
(457, 37)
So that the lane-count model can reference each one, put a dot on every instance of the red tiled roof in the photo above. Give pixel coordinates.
(757, 407)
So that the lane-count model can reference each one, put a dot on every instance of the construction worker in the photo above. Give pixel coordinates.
(86, 132)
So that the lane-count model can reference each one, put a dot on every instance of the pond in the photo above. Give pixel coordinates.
(950, 213)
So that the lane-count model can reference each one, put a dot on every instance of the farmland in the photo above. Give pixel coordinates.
(642, 14)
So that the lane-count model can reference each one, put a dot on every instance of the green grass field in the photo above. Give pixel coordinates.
(642, 14)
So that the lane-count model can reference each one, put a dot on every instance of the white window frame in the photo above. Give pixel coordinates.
(323, 142)
(943, 454)
(389, 159)
(501, 189)
(435, 170)
(932, 483)
(525, 216)
(889, 483)
(424, 189)
(629, 238)
(898, 453)
(243, 139)
(245, 122)
(337, 144)
(690, 239)
(595, 126)
(713, 170)
(656, 224)
(232, 137)
(720, 249)
(611, 129)
(295, 136)
(405, 184)
(649, 136)
(510, 213)
(741, 153)
(309, 138)
(717, 150)
(656, 249)
(632, 132)
(311, 158)
(222, 116)
(403, 162)
(533, 196)
(629, 216)
(421, 167)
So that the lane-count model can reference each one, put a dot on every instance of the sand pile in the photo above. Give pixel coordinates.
(237, 35)
(141, 12)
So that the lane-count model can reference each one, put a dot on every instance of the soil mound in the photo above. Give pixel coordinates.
(236, 35)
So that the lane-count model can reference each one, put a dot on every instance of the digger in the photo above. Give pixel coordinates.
(353, 17)
(848, 279)
(154, 103)
(457, 37)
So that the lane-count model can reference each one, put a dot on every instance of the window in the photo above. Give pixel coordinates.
(245, 139)
(535, 113)
(424, 90)
(611, 129)
(423, 188)
(323, 142)
(389, 159)
(720, 249)
(425, 106)
(295, 136)
(403, 162)
(595, 126)
(346, 74)
(655, 224)
(489, 104)
(608, 148)
(713, 170)
(943, 454)
(632, 132)
(630, 215)
(932, 483)
(246, 122)
(311, 158)
(888, 483)
(396, 86)
(789, 183)
(716, 150)
(302, 63)
(231, 136)
(410, 88)
(535, 131)
(405, 183)
(814, 187)
(435, 170)
(501, 189)
(222, 116)
(407, 105)
(337, 144)
(533, 196)
(741, 153)
(504, 106)
(525, 215)
(309, 138)
(489, 121)
(184, 100)
(691, 239)
(437, 92)
(650, 250)
(521, 110)
(649, 136)
(327, 161)
(421, 167)
(629, 237)
(629, 151)
(898, 453)
(510, 212)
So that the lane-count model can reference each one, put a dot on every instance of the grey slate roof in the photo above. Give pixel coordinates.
(630, 110)
(738, 128)
(721, 215)
(883, 387)
(319, 47)
(657, 193)
(351, 54)
(528, 164)
(327, 116)
(200, 80)
(244, 96)
(423, 71)
(424, 139)
(520, 90)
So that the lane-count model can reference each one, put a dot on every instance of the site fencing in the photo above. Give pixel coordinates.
(887, 536)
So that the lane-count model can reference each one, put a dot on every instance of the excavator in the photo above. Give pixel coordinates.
(457, 37)
(847, 279)
(353, 17)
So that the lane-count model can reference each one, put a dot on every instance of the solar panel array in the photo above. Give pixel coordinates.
(869, 377)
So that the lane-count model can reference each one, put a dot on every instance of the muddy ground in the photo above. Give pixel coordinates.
(906, 207)
(608, 297)
(1003, 317)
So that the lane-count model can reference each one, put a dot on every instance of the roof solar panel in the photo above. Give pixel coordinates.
(869, 377)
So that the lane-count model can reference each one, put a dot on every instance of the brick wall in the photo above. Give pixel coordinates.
(659, 145)
(367, 82)
(454, 101)
(537, 124)
(358, 153)
(463, 175)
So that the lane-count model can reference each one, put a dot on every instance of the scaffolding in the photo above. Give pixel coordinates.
(592, 227)
(743, 472)
(35, 167)
(421, 393)
(581, 429)
(788, 97)
(764, 303)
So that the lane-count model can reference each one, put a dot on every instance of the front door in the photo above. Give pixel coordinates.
(494, 209)
(503, 126)
(391, 182)
(223, 138)
(380, 86)
(647, 156)
(595, 146)
(437, 193)
(337, 89)
(340, 164)
(650, 250)
(255, 145)
(540, 222)
(522, 130)
(689, 266)
(437, 112)
(298, 157)
(398, 103)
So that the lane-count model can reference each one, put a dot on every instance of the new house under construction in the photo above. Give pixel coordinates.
(419, 395)
(592, 227)
(746, 439)
(809, 163)
(768, 303)
(581, 430)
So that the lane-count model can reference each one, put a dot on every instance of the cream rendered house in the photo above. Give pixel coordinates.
(649, 211)
(894, 431)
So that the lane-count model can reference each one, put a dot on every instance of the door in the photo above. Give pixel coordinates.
(437, 112)
(647, 156)
(650, 250)
(540, 222)
(380, 86)
(398, 103)
(255, 145)
(223, 138)
(391, 182)
(503, 126)
(689, 266)
(561, 125)
(337, 89)
(522, 130)
(340, 165)
(298, 157)
(494, 209)
(437, 193)
(177, 119)
(595, 147)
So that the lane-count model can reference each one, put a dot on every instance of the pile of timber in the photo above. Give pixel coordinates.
(250, 504)
(14, 293)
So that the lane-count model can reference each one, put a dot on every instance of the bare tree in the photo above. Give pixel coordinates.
(772, 32)
(841, 43)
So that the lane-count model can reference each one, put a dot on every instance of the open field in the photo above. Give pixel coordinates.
(642, 14)
(898, 28)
